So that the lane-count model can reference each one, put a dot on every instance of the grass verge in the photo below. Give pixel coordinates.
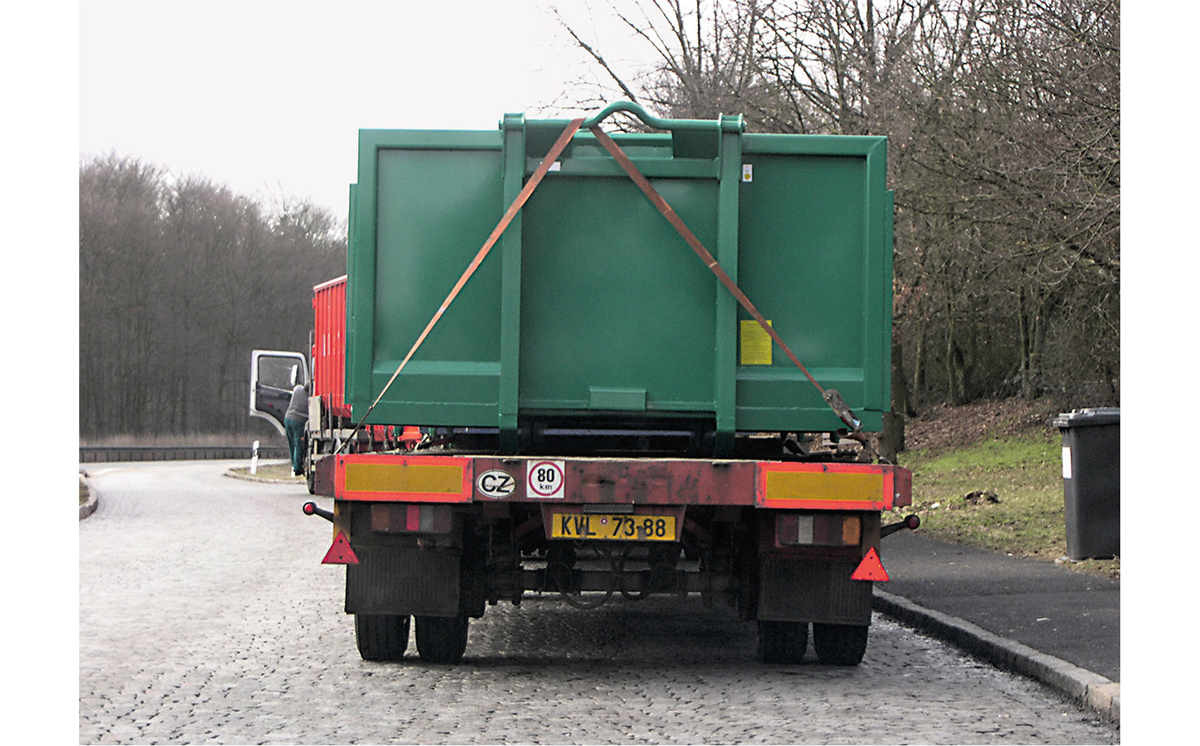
(1000, 493)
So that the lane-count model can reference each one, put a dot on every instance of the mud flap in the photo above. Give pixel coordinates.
(805, 590)
(403, 581)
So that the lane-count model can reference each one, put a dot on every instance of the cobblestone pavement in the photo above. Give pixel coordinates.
(206, 617)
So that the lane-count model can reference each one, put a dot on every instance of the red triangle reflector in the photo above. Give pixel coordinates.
(340, 553)
(870, 568)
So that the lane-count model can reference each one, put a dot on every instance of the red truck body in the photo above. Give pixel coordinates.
(329, 346)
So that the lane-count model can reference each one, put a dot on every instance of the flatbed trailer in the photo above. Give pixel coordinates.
(442, 537)
(594, 413)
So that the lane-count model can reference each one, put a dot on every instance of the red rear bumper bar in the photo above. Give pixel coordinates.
(764, 484)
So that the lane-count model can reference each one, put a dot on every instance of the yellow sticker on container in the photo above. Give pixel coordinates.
(756, 344)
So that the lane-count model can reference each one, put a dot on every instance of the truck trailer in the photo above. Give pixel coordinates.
(605, 366)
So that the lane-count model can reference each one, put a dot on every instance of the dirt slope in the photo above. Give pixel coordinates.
(940, 428)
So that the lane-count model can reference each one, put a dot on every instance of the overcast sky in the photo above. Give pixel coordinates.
(267, 96)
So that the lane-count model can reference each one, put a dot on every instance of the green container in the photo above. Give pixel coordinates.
(591, 306)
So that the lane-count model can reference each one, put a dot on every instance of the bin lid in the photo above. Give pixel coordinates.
(1089, 417)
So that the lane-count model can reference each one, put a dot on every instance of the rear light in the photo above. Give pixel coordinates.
(818, 529)
(411, 518)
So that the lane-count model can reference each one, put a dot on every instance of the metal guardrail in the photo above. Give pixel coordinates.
(107, 454)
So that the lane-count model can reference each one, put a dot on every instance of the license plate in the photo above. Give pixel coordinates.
(620, 527)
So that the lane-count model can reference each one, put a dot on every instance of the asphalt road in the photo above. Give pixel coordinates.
(206, 617)
(1074, 616)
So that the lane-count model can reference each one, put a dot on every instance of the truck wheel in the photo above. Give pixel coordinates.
(840, 644)
(782, 642)
(310, 468)
(381, 637)
(442, 639)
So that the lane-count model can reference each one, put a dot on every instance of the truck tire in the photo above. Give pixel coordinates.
(381, 637)
(442, 639)
(782, 642)
(840, 644)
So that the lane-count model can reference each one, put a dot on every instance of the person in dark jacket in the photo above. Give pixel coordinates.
(295, 420)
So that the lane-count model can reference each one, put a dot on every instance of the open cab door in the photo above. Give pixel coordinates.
(273, 375)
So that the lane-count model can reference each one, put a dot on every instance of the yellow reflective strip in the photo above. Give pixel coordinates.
(815, 485)
(420, 478)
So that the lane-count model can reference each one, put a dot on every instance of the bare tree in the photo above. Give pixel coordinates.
(1003, 119)
(704, 59)
(1021, 150)
(179, 279)
(119, 210)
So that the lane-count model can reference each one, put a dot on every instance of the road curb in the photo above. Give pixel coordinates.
(93, 500)
(1096, 692)
(233, 474)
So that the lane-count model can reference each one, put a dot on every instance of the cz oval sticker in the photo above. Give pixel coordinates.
(495, 484)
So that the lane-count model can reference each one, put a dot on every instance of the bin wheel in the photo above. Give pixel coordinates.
(782, 642)
(381, 637)
(442, 639)
(840, 644)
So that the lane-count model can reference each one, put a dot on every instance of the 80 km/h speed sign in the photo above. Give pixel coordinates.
(544, 479)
